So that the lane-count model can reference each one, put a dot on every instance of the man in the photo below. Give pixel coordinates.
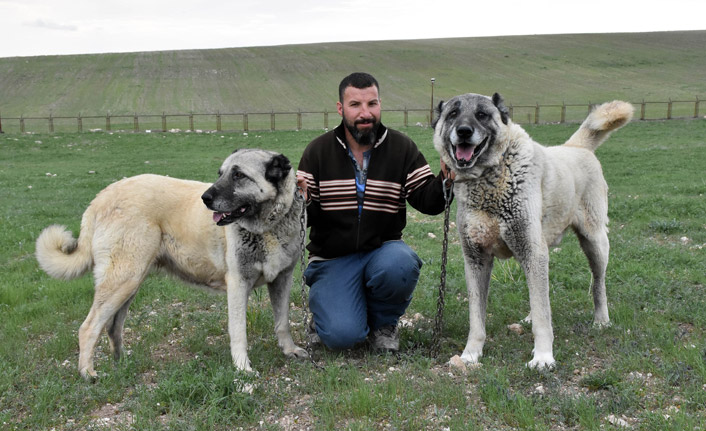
(358, 179)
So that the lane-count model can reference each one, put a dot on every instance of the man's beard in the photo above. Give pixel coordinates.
(366, 137)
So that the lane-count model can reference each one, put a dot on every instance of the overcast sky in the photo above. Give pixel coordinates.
(51, 27)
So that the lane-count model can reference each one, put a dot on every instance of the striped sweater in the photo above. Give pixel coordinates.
(397, 174)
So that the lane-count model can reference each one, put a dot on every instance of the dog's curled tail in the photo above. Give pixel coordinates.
(61, 255)
(600, 123)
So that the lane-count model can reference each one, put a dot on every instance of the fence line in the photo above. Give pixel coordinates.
(314, 120)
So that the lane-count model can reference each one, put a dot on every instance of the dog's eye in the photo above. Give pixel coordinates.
(481, 116)
(452, 114)
(238, 175)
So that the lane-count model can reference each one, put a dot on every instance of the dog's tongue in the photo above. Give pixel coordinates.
(464, 153)
(219, 216)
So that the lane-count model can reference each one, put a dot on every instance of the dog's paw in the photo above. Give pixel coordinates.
(297, 353)
(471, 358)
(89, 374)
(242, 363)
(542, 361)
(602, 324)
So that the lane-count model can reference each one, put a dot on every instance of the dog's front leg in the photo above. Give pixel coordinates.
(238, 292)
(532, 252)
(279, 298)
(478, 266)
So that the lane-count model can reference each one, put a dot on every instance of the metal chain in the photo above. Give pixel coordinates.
(439, 321)
(302, 280)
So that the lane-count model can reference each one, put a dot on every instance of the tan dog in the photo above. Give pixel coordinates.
(516, 198)
(153, 221)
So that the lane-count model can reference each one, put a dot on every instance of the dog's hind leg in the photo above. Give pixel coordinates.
(596, 247)
(115, 328)
(107, 303)
(279, 298)
(120, 268)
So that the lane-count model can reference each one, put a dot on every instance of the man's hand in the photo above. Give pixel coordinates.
(447, 172)
(301, 184)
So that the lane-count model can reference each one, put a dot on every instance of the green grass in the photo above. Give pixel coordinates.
(545, 69)
(648, 368)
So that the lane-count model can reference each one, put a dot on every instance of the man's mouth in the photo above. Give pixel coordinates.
(466, 154)
(365, 123)
(224, 218)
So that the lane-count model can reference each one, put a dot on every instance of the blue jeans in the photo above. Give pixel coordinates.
(352, 295)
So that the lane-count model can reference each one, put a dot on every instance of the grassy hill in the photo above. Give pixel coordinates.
(525, 69)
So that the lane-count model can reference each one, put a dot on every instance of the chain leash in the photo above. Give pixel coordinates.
(302, 280)
(439, 320)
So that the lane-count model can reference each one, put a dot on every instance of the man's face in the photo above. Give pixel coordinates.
(360, 110)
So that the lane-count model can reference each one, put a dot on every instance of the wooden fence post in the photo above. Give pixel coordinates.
(22, 124)
(164, 122)
(326, 119)
(51, 123)
(511, 111)
(107, 122)
(191, 121)
(136, 123)
(642, 110)
(272, 120)
(696, 110)
(245, 122)
(536, 114)
(669, 109)
(563, 112)
(218, 121)
(80, 123)
(299, 120)
(406, 117)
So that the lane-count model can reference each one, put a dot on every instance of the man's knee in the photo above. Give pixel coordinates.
(339, 335)
(394, 274)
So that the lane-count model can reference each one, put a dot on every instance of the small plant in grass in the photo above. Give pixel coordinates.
(666, 226)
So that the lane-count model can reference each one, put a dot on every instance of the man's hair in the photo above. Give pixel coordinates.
(356, 80)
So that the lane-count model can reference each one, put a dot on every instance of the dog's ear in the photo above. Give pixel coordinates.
(499, 103)
(437, 111)
(277, 169)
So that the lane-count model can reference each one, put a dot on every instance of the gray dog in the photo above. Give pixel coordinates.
(517, 198)
(251, 238)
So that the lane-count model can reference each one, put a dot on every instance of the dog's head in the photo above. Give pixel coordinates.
(253, 187)
(469, 133)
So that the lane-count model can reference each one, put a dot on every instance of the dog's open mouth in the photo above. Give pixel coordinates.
(224, 218)
(466, 154)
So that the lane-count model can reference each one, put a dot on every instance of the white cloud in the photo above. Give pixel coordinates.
(51, 25)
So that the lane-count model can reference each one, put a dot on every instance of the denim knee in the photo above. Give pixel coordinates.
(338, 335)
(393, 279)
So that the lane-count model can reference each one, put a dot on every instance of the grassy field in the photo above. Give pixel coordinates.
(525, 69)
(647, 370)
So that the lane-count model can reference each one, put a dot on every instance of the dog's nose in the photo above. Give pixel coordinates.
(464, 132)
(207, 197)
